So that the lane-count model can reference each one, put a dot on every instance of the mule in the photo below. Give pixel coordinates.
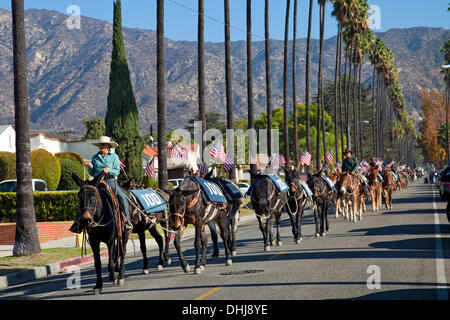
(388, 188)
(268, 204)
(375, 188)
(349, 192)
(188, 206)
(321, 197)
(234, 205)
(296, 202)
(336, 200)
(100, 218)
(142, 221)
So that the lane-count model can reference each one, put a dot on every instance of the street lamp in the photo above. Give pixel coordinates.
(447, 67)
(348, 132)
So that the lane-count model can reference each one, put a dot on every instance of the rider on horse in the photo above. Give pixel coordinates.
(351, 165)
(107, 162)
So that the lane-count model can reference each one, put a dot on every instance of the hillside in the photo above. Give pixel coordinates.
(68, 70)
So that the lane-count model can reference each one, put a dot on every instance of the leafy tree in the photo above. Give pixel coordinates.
(122, 116)
(94, 128)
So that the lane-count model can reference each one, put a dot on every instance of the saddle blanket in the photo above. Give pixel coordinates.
(305, 187)
(211, 190)
(380, 177)
(150, 200)
(328, 181)
(230, 188)
(394, 176)
(281, 185)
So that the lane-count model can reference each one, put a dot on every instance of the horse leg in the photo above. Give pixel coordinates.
(300, 219)
(197, 246)
(141, 234)
(317, 219)
(177, 244)
(213, 232)
(233, 232)
(327, 227)
(223, 226)
(262, 227)
(95, 245)
(293, 225)
(167, 236)
(277, 221)
(204, 240)
(159, 241)
(123, 253)
(112, 262)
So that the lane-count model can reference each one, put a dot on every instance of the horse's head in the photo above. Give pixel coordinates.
(291, 177)
(345, 183)
(89, 201)
(373, 175)
(180, 201)
(262, 193)
(316, 184)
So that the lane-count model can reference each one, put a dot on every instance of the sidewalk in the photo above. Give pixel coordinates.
(69, 242)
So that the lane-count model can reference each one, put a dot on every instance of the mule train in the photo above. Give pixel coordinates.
(202, 201)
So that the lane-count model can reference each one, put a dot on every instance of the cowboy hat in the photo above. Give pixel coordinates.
(105, 140)
(347, 151)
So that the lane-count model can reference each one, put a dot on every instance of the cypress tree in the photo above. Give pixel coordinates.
(122, 116)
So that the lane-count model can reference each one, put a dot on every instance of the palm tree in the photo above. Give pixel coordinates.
(201, 71)
(307, 64)
(285, 85)
(251, 116)
(160, 100)
(268, 80)
(294, 85)
(26, 241)
(228, 83)
(320, 106)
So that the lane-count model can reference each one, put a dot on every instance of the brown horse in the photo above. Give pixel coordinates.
(336, 200)
(349, 190)
(375, 186)
(388, 188)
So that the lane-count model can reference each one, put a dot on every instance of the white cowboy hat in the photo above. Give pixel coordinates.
(105, 140)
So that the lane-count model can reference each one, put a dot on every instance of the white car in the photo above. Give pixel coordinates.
(175, 182)
(243, 186)
(11, 185)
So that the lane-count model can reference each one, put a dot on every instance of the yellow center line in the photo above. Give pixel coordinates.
(276, 255)
(210, 292)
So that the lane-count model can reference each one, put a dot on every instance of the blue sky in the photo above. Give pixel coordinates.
(181, 22)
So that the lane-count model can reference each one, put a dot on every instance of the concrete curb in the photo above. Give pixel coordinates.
(63, 266)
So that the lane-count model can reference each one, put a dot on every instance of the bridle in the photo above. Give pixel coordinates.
(92, 223)
(187, 207)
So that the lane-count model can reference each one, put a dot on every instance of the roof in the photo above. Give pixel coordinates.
(4, 127)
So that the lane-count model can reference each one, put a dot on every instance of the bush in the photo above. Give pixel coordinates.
(49, 206)
(46, 167)
(70, 156)
(67, 168)
(7, 166)
(149, 182)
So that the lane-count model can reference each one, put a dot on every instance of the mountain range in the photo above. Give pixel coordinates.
(68, 71)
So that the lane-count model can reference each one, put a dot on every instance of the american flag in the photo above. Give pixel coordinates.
(218, 152)
(178, 152)
(330, 156)
(150, 169)
(202, 169)
(337, 165)
(305, 158)
(229, 164)
(121, 164)
(278, 159)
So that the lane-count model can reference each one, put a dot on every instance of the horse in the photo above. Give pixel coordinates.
(100, 218)
(268, 203)
(336, 200)
(349, 193)
(375, 186)
(188, 206)
(388, 188)
(142, 221)
(321, 197)
(296, 202)
(234, 205)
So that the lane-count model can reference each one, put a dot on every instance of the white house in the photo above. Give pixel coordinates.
(7, 138)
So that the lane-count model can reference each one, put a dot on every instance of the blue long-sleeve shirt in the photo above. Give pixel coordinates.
(110, 161)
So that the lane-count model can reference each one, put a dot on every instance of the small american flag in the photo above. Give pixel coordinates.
(218, 152)
(178, 152)
(305, 158)
(278, 159)
(337, 165)
(121, 164)
(150, 169)
(330, 156)
(229, 164)
(202, 169)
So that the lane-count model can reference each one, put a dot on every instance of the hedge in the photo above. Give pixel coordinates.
(7, 166)
(70, 156)
(46, 167)
(49, 206)
(67, 168)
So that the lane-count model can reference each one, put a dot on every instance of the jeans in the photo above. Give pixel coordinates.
(119, 194)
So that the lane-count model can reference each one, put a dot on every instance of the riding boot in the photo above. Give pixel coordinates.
(127, 226)
(75, 228)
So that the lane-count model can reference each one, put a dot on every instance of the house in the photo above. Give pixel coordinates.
(7, 138)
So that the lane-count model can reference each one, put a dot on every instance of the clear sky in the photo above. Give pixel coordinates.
(181, 19)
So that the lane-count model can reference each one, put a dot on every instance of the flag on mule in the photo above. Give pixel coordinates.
(305, 158)
(178, 152)
(121, 164)
(202, 169)
(218, 151)
(330, 156)
(150, 168)
(278, 159)
(229, 163)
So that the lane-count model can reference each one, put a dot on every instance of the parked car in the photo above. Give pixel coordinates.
(243, 186)
(11, 185)
(175, 182)
(444, 184)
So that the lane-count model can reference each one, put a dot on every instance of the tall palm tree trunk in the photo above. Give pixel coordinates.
(294, 85)
(361, 153)
(285, 85)
(336, 102)
(322, 104)
(201, 71)
(307, 81)
(268, 79)
(341, 115)
(160, 100)
(374, 151)
(355, 119)
(251, 116)
(26, 241)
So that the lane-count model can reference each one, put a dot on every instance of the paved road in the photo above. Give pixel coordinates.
(406, 249)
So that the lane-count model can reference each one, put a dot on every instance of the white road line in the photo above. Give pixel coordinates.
(440, 267)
